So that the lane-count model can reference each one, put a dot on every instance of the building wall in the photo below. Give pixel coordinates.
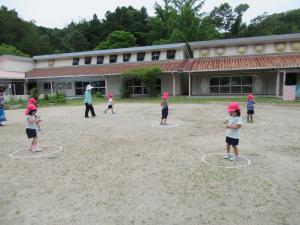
(167, 84)
(263, 84)
(68, 62)
(268, 48)
(16, 66)
(114, 84)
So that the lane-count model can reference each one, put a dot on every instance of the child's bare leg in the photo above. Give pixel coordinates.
(248, 118)
(165, 121)
(236, 151)
(251, 117)
(112, 110)
(228, 148)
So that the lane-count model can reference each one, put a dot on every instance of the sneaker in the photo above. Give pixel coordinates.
(105, 112)
(234, 158)
(226, 156)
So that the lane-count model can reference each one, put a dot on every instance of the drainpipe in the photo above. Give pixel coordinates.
(51, 85)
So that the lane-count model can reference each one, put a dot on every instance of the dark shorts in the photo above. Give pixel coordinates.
(31, 133)
(250, 112)
(164, 113)
(232, 141)
(110, 106)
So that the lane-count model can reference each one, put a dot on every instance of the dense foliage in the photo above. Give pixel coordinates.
(174, 21)
(148, 75)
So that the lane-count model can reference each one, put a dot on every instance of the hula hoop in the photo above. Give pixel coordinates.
(226, 167)
(58, 149)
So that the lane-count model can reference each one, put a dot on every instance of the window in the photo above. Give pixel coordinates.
(155, 56)
(137, 87)
(87, 60)
(140, 56)
(100, 59)
(47, 86)
(76, 61)
(99, 86)
(231, 85)
(171, 54)
(126, 57)
(80, 87)
(113, 58)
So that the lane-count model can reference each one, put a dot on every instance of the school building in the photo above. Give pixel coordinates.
(265, 65)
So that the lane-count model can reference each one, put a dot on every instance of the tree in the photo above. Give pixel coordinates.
(117, 39)
(228, 20)
(10, 50)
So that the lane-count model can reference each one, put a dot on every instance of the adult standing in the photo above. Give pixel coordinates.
(88, 101)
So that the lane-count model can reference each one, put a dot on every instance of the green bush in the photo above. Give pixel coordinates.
(98, 95)
(34, 93)
(147, 75)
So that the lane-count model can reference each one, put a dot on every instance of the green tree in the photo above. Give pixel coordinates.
(117, 39)
(228, 20)
(10, 50)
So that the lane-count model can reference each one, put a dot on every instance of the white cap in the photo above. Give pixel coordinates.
(89, 87)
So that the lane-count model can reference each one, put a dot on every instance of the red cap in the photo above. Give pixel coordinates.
(233, 106)
(30, 107)
(32, 101)
(251, 96)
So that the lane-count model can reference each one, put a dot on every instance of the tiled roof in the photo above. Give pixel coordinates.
(244, 63)
(106, 69)
(254, 62)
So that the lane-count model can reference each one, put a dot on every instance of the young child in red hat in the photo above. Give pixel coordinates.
(250, 107)
(164, 108)
(233, 124)
(32, 124)
(110, 103)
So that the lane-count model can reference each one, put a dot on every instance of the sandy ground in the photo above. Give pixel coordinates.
(118, 169)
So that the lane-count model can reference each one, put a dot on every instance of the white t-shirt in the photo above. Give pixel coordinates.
(31, 122)
(110, 102)
(233, 120)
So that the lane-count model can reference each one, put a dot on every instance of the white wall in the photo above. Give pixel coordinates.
(167, 84)
(113, 84)
(269, 48)
(16, 65)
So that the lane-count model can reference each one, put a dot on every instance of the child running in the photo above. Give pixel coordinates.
(32, 124)
(164, 109)
(233, 125)
(110, 103)
(250, 107)
(2, 103)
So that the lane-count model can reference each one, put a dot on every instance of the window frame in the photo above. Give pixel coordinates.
(111, 57)
(138, 59)
(87, 60)
(100, 59)
(127, 59)
(155, 56)
(173, 56)
(76, 61)
(230, 85)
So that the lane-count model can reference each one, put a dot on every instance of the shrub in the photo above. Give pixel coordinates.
(34, 93)
(147, 75)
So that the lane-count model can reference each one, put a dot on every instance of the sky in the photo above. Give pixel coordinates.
(59, 13)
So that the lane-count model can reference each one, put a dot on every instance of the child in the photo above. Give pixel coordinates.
(233, 125)
(165, 109)
(250, 107)
(88, 101)
(32, 124)
(2, 102)
(110, 103)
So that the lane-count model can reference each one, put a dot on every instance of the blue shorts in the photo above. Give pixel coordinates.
(232, 141)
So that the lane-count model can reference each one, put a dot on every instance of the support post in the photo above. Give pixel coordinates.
(190, 85)
(51, 85)
(106, 83)
(277, 84)
(174, 85)
(25, 86)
